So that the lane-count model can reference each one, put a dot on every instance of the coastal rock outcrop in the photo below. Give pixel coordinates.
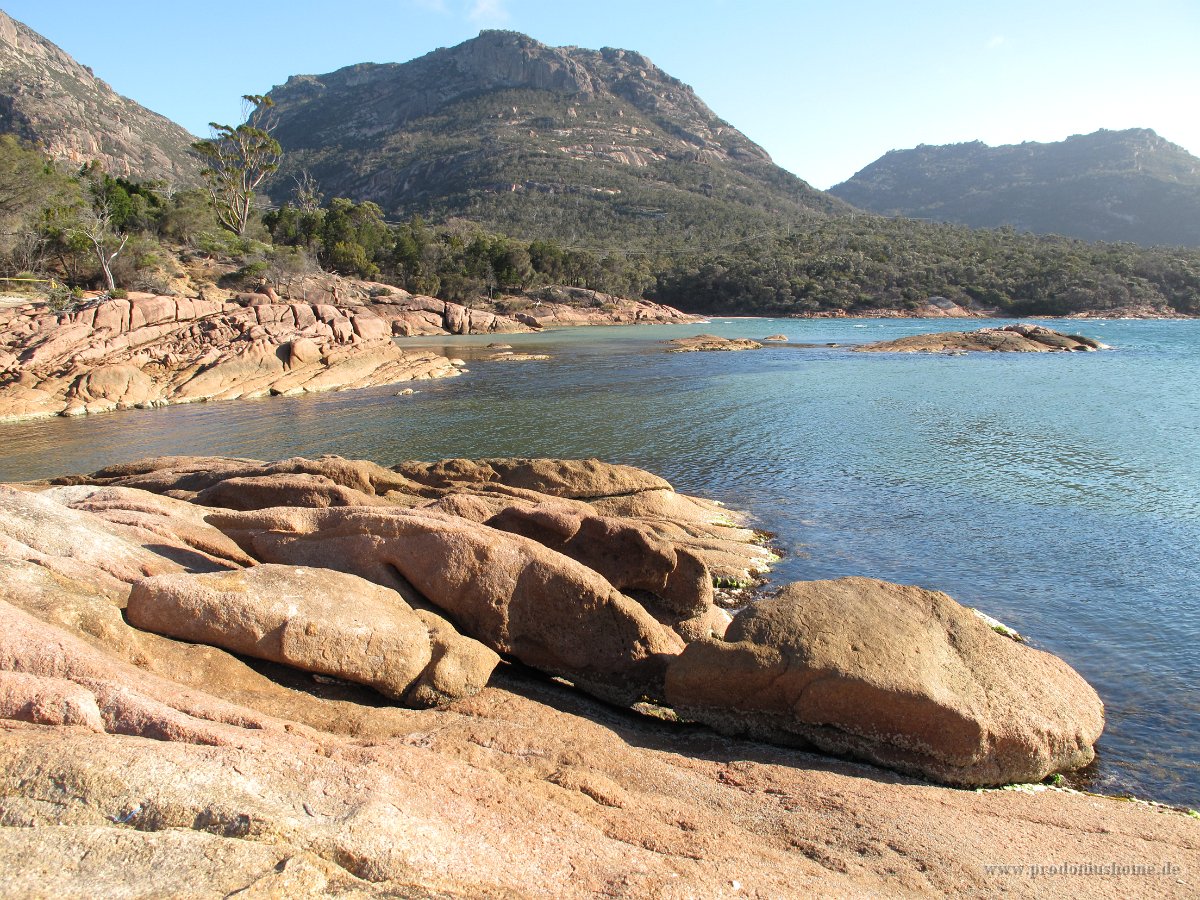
(897, 675)
(149, 350)
(321, 621)
(138, 762)
(558, 307)
(707, 342)
(513, 594)
(628, 555)
(575, 479)
(1008, 338)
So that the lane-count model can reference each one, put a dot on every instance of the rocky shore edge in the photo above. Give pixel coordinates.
(323, 676)
(1020, 338)
(143, 350)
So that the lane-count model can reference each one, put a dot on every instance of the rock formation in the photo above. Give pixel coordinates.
(702, 342)
(49, 99)
(330, 333)
(149, 350)
(1008, 338)
(140, 755)
(897, 675)
(319, 621)
(557, 307)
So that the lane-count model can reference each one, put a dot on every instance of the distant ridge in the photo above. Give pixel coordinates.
(1109, 185)
(581, 145)
(50, 100)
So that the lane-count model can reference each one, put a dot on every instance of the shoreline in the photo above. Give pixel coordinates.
(196, 755)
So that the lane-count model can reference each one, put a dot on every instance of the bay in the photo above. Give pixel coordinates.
(1059, 493)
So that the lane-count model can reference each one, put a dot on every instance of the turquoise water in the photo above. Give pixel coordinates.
(1058, 492)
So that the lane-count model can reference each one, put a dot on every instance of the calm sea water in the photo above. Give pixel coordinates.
(1058, 492)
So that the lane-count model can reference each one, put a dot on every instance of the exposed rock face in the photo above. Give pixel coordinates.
(48, 98)
(524, 137)
(576, 479)
(149, 350)
(139, 763)
(556, 307)
(702, 342)
(1009, 338)
(318, 621)
(515, 595)
(896, 675)
(628, 555)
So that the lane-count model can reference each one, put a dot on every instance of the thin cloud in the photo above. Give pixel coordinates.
(997, 41)
(488, 12)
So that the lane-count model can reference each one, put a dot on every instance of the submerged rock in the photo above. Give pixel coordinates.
(705, 342)
(1009, 338)
(896, 675)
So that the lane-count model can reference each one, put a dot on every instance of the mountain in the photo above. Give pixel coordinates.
(592, 145)
(1110, 185)
(49, 99)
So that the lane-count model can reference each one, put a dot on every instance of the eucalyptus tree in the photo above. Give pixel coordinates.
(236, 162)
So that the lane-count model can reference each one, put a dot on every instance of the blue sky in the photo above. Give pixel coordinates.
(825, 88)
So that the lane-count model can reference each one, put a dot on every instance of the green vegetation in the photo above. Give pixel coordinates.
(73, 227)
(236, 162)
(77, 230)
(869, 262)
(1110, 185)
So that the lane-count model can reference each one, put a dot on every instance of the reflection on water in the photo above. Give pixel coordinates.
(1058, 492)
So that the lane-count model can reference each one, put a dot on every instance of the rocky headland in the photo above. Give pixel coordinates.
(1006, 339)
(479, 678)
(326, 333)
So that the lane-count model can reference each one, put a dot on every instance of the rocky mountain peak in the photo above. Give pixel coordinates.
(532, 139)
(1125, 185)
(513, 60)
(49, 99)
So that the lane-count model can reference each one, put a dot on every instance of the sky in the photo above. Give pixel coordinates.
(826, 88)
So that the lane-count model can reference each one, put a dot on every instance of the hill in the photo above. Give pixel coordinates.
(50, 100)
(538, 141)
(1107, 186)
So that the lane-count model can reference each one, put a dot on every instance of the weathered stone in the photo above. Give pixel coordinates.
(47, 701)
(896, 675)
(708, 342)
(572, 478)
(1009, 338)
(261, 491)
(168, 527)
(316, 620)
(511, 593)
(629, 556)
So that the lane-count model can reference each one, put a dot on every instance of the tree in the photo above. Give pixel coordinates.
(29, 185)
(97, 227)
(237, 160)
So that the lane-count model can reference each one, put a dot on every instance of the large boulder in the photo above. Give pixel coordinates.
(168, 527)
(318, 621)
(628, 555)
(579, 479)
(896, 675)
(190, 476)
(513, 594)
(262, 491)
